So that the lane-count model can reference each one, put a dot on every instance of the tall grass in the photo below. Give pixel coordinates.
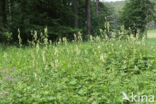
(94, 72)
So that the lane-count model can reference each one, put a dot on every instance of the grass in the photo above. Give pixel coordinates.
(151, 34)
(95, 72)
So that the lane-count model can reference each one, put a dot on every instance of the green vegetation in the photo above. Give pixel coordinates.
(74, 73)
(63, 18)
(136, 14)
(118, 5)
(151, 34)
(77, 52)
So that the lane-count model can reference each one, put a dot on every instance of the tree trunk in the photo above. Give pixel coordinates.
(10, 4)
(88, 17)
(97, 6)
(75, 4)
(135, 32)
(4, 16)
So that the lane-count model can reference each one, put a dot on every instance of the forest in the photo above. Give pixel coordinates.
(63, 18)
(77, 51)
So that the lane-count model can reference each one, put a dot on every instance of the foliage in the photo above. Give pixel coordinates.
(99, 22)
(117, 6)
(136, 14)
(93, 72)
(57, 15)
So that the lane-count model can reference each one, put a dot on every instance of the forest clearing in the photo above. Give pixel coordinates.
(77, 52)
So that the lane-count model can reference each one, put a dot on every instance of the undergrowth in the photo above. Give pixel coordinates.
(94, 72)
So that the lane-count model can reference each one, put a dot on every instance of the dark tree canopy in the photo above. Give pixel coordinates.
(62, 17)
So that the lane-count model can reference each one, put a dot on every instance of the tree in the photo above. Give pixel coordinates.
(105, 14)
(63, 18)
(3, 11)
(88, 17)
(97, 5)
(136, 14)
(75, 5)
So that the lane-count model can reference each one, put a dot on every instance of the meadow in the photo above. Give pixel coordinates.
(152, 33)
(94, 72)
